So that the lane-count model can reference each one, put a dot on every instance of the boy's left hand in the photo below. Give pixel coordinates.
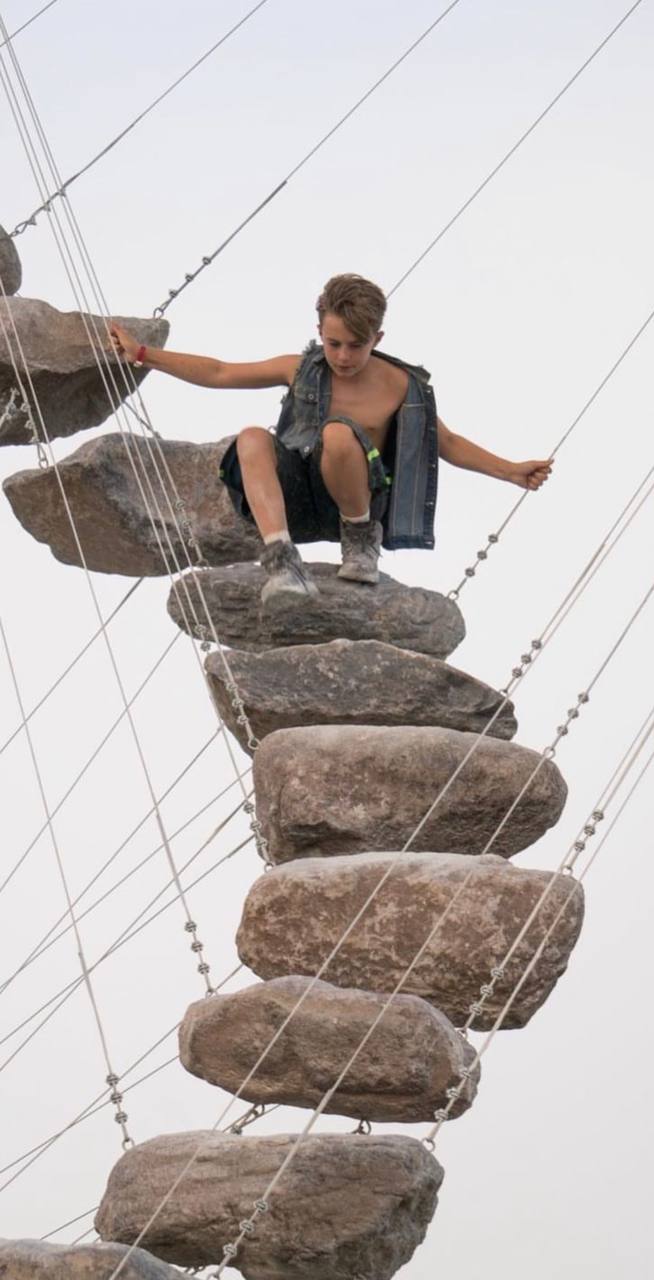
(532, 474)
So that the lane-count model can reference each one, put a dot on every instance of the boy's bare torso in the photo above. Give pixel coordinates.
(371, 398)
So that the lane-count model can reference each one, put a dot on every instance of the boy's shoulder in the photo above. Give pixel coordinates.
(418, 370)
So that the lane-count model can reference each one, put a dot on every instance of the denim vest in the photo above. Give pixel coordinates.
(411, 451)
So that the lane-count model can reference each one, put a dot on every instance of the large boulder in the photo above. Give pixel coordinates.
(353, 682)
(11, 271)
(63, 366)
(114, 527)
(33, 1259)
(346, 1208)
(330, 789)
(409, 617)
(295, 915)
(402, 1074)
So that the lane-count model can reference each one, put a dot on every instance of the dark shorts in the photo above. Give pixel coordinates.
(312, 514)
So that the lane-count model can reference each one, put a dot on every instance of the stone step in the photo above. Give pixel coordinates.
(402, 1074)
(11, 271)
(353, 682)
(295, 915)
(63, 367)
(332, 789)
(114, 528)
(31, 1259)
(409, 617)
(347, 1208)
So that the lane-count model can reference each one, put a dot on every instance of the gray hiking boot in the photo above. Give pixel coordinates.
(360, 545)
(287, 580)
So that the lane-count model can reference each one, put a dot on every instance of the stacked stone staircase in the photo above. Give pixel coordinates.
(361, 721)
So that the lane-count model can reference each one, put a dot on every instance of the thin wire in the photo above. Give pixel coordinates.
(429, 1138)
(261, 1205)
(73, 986)
(190, 924)
(588, 830)
(73, 663)
(64, 186)
(122, 846)
(48, 940)
(87, 764)
(70, 1223)
(97, 1103)
(211, 257)
(493, 538)
(98, 351)
(128, 932)
(250, 1117)
(120, 1116)
(512, 150)
(28, 23)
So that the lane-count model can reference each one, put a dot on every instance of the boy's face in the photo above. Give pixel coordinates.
(345, 354)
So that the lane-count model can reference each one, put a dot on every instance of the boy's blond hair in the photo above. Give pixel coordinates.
(358, 302)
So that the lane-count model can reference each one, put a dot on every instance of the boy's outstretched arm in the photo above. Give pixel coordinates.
(464, 453)
(204, 371)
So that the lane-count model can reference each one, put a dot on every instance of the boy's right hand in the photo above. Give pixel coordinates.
(123, 342)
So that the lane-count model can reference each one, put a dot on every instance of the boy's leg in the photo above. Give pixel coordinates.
(345, 473)
(344, 469)
(256, 453)
(287, 581)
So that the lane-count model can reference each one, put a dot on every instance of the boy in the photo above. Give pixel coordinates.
(355, 451)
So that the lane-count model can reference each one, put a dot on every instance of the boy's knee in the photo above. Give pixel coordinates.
(253, 442)
(337, 437)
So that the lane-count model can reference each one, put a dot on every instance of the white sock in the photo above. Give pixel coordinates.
(282, 535)
(356, 519)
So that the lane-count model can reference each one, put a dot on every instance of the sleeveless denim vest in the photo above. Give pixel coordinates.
(411, 451)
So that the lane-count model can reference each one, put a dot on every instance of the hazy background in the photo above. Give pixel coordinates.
(519, 312)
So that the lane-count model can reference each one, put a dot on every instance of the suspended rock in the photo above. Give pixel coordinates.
(353, 682)
(346, 1208)
(63, 368)
(113, 524)
(409, 617)
(31, 1259)
(11, 271)
(402, 1074)
(295, 915)
(326, 790)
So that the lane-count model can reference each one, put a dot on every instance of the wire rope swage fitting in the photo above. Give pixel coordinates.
(579, 846)
(197, 948)
(121, 1117)
(364, 1128)
(189, 535)
(249, 1117)
(493, 539)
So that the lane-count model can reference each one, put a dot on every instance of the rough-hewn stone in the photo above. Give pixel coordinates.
(33, 1259)
(410, 617)
(354, 682)
(114, 528)
(403, 1072)
(330, 789)
(11, 271)
(346, 1208)
(296, 914)
(64, 372)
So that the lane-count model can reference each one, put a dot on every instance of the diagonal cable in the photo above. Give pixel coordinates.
(63, 188)
(73, 663)
(211, 257)
(28, 23)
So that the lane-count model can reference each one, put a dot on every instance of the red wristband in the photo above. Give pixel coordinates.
(140, 357)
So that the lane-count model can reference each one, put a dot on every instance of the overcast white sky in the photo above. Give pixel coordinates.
(519, 312)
